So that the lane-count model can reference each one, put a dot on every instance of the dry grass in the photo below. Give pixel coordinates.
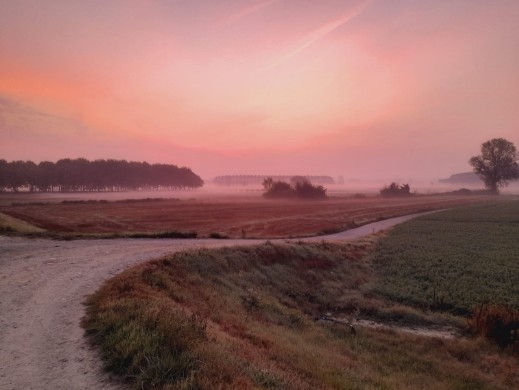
(245, 218)
(244, 318)
(11, 225)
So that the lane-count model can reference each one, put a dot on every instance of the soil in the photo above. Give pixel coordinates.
(43, 284)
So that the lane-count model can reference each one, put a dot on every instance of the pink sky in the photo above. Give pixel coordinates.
(372, 89)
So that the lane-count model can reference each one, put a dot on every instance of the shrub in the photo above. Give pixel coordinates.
(396, 190)
(218, 235)
(300, 188)
(305, 189)
(497, 323)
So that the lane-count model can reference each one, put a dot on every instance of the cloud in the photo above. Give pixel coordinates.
(243, 13)
(17, 119)
(10, 107)
(321, 32)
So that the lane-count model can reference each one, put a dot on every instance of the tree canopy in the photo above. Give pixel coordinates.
(71, 175)
(497, 164)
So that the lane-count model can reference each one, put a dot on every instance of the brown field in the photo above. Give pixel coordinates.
(251, 217)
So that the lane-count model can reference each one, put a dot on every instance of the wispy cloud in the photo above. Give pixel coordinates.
(250, 10)
(321, 32)
(12, 107)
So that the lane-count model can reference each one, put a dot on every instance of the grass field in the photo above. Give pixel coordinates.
(246, 318)
(453, 260)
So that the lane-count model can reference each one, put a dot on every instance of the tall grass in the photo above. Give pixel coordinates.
(244, 318)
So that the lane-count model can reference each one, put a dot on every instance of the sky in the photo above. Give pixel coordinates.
(366, 89)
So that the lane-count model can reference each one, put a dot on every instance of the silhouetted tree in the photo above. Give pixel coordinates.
(267, 184)
(396, 190)
(3, 175)
(497, 164)
(280, 189)
(46, 178)
(305, 189)
(301, 188)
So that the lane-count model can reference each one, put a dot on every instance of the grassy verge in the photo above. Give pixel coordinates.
(453, 260)
(244, 318)
(11, 225)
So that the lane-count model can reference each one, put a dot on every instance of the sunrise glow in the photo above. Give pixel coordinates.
(383, 88)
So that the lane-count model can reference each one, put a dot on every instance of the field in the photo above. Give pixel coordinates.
(277, 316)
(250, 217)
(453, 260)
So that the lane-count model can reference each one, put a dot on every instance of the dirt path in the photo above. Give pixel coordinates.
(43, 284)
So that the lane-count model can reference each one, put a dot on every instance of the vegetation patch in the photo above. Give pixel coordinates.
(453, 260)
(395, 190)
(12, 226)
(247, 318)
(299, 187)
(497, 323)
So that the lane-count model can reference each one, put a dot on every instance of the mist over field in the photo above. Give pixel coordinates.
(259, 194)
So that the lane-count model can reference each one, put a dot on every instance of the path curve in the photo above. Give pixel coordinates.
(43, 284)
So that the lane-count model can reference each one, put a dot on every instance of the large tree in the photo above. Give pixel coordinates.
(497, 164)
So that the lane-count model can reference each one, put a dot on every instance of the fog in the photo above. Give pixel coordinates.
(213, 192)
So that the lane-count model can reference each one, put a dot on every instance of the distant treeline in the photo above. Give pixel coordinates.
(463, 178)
(80, 175)
(245, 180)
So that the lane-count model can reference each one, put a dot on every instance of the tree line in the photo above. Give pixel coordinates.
(82, 175)
(244, 180)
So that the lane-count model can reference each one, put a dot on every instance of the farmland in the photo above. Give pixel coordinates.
(259, 317)
(453, 260)
(247, 217)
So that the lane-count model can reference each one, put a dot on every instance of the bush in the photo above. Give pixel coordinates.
(395, 190)
(300, 188)
(218, 235)
(280, 189)
(497, 323)
(305, 189)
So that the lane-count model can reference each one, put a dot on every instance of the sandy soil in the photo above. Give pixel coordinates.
(43, 284)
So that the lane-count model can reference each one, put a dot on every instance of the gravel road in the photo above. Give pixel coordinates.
(43, 284)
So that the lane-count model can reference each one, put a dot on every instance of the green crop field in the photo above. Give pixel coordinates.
(453, 260)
